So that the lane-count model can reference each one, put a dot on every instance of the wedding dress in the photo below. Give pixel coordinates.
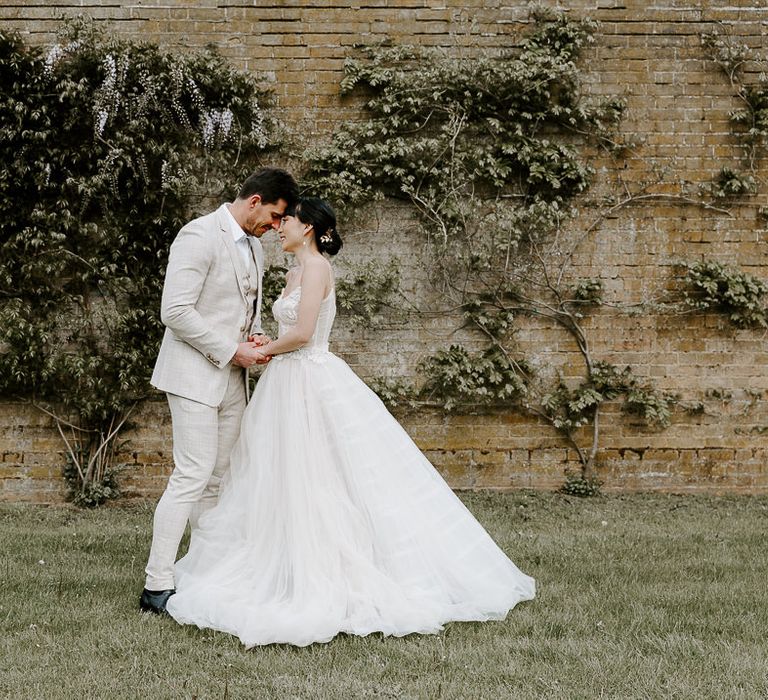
(331, 520)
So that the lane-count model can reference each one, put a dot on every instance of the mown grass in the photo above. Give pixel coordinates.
(641, 596)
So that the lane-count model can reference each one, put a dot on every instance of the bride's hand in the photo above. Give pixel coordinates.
(263, 359)
(248, 354)
(259, 339)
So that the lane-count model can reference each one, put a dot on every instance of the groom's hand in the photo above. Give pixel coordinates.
(248, 354)
(261, 340)
(263, 359)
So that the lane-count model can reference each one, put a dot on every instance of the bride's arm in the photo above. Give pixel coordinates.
(314, 281)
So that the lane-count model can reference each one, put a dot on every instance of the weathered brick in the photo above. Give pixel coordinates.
(678, 107)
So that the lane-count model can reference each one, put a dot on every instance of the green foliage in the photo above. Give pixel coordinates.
(365, 290)
(654, 407)
(272, 284)
(578, 485)
(444, 127)
(718, 287)
(751, 118)
(93, 492)
(611, 381)
(395, 393)
(694, 408)
(730, 183)
(491, 152)
(108, 146)
(730, 56)
(482, 313)
(487, 151)
(458, 379)
(570, 409)
(588, 291)
(755, 115)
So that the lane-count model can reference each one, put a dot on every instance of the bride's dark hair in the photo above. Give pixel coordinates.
(318, 213)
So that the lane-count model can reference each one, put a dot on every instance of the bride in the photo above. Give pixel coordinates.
(331, 519)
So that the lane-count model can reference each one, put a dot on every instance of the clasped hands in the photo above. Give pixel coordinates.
(248, 353)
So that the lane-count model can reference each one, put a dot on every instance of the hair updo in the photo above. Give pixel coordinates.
(319, 214)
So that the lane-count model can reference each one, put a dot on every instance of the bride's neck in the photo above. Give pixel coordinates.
(303, 254)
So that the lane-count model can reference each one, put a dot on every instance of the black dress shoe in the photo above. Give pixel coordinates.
(154, 601)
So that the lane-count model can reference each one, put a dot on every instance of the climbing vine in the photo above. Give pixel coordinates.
(750, 119)
(491, 151)
(108, 148)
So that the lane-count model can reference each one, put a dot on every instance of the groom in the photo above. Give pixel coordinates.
(211, 308)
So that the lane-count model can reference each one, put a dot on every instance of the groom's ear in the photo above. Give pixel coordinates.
(254, 200)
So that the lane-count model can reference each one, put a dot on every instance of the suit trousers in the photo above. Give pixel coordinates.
(203, 437)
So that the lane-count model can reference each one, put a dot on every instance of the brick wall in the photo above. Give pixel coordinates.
(678, 106)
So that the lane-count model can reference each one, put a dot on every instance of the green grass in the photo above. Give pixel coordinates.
(639, 597)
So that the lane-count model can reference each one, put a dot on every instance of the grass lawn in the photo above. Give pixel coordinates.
(641, 596)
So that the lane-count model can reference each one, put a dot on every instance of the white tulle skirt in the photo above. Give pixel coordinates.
(333, 521)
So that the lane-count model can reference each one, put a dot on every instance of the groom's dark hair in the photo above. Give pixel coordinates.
(272, 184)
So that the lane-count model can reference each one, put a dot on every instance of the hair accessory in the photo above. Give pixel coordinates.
(326, 238)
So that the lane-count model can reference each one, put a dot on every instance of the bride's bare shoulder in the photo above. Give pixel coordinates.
(317, 272)
(317, 262)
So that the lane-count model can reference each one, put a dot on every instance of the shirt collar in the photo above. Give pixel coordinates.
(237, 233)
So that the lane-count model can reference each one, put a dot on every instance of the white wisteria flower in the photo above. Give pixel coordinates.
(57, 52)
(216, 122)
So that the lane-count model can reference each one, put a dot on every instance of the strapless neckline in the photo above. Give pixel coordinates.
(283, 295)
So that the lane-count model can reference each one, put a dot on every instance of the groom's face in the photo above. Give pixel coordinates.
(263, 216)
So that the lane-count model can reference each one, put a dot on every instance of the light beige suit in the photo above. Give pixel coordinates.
(206, 309)
(211, 302)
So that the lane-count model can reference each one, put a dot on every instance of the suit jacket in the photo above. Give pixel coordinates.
(205, 309)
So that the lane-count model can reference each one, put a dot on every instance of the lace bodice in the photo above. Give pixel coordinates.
(286, 312)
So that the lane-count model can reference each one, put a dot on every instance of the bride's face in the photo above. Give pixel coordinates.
(293, 232)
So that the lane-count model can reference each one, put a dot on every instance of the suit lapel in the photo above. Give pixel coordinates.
(234, 254)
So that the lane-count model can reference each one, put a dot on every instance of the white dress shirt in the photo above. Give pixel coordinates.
(241, 239)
